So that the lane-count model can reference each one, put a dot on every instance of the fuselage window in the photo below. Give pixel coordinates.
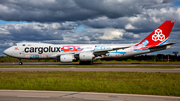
(15, 44)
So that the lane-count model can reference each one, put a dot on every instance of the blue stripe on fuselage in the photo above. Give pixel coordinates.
(119, 52)
(141, 49)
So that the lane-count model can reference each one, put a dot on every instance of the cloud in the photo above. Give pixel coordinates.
(87, 21)
(129, 26)
(74, 10)
(34, 31)
(4, 31)
(107, 34)
(84, 38)
(118, 34)
(147, 21)
(110, 35)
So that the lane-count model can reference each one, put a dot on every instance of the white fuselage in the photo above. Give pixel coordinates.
(42, 50)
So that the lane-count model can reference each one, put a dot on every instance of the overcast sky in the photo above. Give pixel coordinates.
(86, 21)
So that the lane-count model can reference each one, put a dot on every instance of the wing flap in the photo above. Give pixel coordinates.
(103, 52)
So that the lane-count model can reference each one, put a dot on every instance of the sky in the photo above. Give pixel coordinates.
(86, 21)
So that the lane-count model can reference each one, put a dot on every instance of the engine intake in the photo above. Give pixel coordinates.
(86, 56)
(67, 58)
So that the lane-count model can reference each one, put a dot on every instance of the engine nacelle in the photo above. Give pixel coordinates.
(86, 56)
(67, 58)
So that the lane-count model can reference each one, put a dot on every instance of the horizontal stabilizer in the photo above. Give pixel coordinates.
(169, 44)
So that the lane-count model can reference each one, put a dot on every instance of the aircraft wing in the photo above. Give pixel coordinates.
(103, 52)
(96, 52)
(117, 48)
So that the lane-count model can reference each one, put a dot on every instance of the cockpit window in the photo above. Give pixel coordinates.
(15, 44)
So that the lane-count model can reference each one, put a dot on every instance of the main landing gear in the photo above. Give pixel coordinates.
(86, 62)
(20, 63)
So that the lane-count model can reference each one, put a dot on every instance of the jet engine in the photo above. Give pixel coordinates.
(86, 56)
(67, 58)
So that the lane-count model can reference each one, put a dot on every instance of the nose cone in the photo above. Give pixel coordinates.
(7, 51)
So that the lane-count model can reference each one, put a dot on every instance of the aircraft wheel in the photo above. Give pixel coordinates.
(86, 62)
(20, 63)
(90, 62)
(81, 62)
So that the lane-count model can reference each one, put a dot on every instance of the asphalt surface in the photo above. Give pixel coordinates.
(69, 64)
(176, 70)
(32, 95)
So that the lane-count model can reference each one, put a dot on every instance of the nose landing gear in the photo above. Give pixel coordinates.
(20, 63)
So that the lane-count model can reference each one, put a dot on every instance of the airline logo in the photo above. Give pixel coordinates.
(41, 50)
(158, 35)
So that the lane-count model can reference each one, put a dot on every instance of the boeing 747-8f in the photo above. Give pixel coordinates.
(87, 53)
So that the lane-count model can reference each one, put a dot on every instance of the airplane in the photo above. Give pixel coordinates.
(87, 53)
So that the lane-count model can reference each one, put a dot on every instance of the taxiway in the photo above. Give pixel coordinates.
(175, 70)
(32, 95)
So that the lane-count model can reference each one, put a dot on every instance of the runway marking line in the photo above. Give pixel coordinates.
(34, 96)
(101, 99)
(92, 93)
(138, 95)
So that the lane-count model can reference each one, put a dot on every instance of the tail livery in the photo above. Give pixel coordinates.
(159, 36)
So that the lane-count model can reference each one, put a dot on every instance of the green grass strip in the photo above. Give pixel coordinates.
(91, 66)
(111, 82)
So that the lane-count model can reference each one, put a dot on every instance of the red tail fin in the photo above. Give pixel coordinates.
(159, 36)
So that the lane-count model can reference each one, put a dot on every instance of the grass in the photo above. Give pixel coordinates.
(91, 66)
(112, 82)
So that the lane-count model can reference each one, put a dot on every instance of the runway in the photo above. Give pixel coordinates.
(70, 64)
(32, 95)
(175, 70)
